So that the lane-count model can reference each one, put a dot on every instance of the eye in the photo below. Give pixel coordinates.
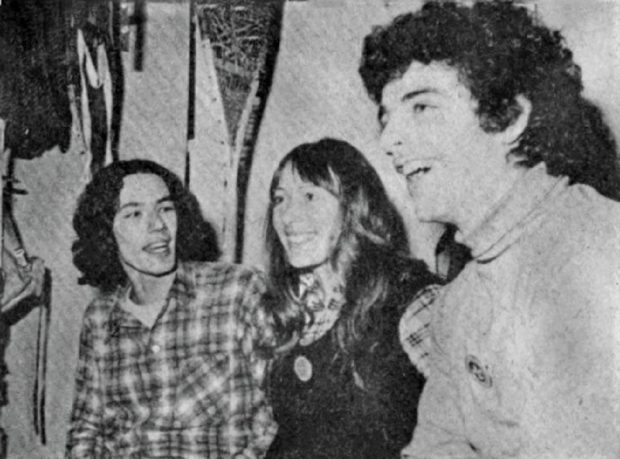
(132, 214)
(382, 118)
(420, 107)
(167, 207)
(277, 199)
(309, 195)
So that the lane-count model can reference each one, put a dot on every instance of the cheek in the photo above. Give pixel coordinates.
(126, 237)
(173, 224)
(332, 222)
(276, 222)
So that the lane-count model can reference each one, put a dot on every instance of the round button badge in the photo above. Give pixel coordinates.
(478, 371)
(303, 368)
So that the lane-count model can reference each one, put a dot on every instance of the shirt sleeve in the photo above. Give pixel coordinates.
(439, 432)
(251, 423)
(84, 436)
(573, 406)
(414, 328)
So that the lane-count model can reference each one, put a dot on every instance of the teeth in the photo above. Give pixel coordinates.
(419, 170)
(299, 238)
(159, 247)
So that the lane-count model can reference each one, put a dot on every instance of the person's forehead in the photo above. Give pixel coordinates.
(290, 178)
(437, 78)
(142, 187)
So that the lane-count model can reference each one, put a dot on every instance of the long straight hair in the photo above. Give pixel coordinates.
(371, 254)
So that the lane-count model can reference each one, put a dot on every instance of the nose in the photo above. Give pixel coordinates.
(390, 139)
(156, 222)
(293, 211)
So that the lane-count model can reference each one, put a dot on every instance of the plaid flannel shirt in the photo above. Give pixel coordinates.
(414, 327)
(187, 388)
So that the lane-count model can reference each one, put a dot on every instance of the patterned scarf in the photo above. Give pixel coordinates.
(322, 302)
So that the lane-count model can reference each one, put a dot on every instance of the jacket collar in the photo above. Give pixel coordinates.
(506, 222)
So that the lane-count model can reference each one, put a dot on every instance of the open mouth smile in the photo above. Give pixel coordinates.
(413, 168)
(299, 238)
(418, 171)
(157, 247)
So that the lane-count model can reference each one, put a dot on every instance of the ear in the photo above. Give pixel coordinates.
(510, 135)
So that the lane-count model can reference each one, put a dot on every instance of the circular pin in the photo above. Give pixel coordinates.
(303, 368)
(480, 373)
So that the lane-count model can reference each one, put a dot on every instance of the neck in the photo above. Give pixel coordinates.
(423, 240)
(150, 289)
(484, 199)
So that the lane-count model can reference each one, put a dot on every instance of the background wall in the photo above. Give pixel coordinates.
(316, 92)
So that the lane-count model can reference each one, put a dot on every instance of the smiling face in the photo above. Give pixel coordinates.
(307, 219)
(454, 169)
(145, 227)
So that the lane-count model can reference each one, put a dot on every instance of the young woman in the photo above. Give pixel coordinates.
(340, 385)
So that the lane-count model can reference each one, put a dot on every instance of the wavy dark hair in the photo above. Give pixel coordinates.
(95, 252)
(371, 254)
(501, 51)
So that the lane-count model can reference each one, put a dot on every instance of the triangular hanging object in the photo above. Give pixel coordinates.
(239, 34)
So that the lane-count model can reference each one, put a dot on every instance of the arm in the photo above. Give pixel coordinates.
(399, 387)
(388, 373)
(84, 437)
(573, 407)
(439, 431)
(251, 425)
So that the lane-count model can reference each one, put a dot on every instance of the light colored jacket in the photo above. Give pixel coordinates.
(526, 340)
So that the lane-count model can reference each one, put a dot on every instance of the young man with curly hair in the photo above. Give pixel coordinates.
(482, 112)
(168, 364)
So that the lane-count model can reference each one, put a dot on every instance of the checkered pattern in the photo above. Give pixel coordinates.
(414, 327)
(188, 387)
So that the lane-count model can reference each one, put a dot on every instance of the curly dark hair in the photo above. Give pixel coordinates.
(371, 255)
(501, 51)
(95, 252)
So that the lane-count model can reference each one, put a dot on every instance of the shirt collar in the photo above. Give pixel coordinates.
(183, 284)
(506, 222)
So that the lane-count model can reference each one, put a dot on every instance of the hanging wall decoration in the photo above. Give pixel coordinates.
(96, 87)
(33, 76)
(244, 39)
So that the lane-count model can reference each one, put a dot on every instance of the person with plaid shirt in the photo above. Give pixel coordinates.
(168, 363)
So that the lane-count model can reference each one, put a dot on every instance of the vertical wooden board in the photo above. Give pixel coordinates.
(210, 151)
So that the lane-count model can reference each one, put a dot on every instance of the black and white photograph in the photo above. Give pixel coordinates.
(309, 229)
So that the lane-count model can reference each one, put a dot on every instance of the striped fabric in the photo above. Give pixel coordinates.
(186, 388)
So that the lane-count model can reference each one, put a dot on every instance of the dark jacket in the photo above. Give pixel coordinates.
(360, 406)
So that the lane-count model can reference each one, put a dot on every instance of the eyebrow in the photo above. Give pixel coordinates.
(412, 94)
(407, 96)
(138, 204)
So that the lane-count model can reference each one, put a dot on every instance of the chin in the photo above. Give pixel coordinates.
(431, 217)
(164, 268)
(303, 262)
